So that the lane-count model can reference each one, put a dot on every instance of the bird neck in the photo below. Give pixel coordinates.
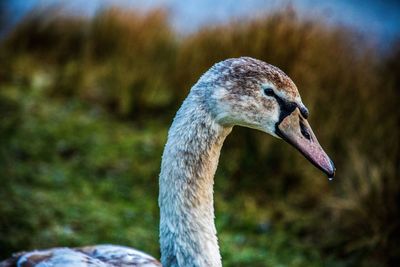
(187, 230)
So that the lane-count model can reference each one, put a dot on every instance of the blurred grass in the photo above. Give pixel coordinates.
(85, 104)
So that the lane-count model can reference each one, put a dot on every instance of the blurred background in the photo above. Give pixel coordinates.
(88, 90)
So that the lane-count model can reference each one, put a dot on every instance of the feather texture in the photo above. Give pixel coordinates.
(90, 256)
(230, 93)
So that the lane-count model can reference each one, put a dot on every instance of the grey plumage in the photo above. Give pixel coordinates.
(230, 93)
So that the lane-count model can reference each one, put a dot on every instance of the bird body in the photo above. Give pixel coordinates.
(90, 256)
(241, 91)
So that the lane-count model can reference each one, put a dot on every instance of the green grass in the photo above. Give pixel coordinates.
(85, 104)
(78, 177)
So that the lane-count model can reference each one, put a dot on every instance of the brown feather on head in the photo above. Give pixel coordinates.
(251, 93)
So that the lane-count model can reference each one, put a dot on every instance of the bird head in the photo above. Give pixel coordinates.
(251, 93)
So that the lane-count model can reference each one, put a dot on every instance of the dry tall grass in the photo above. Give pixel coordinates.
(135, 67)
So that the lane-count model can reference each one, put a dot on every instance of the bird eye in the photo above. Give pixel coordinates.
(268, 91)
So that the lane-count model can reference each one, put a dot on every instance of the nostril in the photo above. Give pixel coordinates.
(304, 131)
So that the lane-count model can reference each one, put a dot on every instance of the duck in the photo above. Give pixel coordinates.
(240, 91)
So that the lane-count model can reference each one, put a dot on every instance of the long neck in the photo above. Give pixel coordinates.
(187, 231)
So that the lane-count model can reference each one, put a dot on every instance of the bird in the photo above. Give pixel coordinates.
(240, 91)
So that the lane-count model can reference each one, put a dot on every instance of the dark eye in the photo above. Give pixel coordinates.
(268, 91)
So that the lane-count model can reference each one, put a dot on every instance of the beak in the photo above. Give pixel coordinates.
(295, 130)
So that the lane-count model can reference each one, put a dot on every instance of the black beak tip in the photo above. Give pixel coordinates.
(331, 173)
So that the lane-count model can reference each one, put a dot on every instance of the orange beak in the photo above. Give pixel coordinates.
(295, 130)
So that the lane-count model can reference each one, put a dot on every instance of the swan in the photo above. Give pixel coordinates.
(238, 91)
